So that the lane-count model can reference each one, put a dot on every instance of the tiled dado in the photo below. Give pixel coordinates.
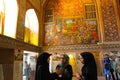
(6, 71)
(7, 42)
(84, 47)
(18, 70)
(1, 72)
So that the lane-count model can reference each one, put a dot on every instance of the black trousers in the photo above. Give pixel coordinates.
(112, 74)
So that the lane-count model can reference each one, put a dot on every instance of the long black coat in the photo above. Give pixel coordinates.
(89, 69)
(67, 72)
(42, 68)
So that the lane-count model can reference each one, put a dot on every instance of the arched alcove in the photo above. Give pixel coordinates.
(1, 15)
(8, 18)
(31, 27)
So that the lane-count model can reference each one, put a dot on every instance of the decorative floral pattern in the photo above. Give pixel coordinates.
(109, 21)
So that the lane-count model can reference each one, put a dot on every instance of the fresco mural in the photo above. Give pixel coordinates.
(70, 25)
(67, 8)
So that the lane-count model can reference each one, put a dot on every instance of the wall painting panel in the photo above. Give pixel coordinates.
(71, 23)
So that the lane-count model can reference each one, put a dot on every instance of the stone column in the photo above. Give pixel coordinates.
(6, 63)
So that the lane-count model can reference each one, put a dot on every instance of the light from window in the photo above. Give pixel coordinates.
(1, 15)
(31, 30)
(11, 12)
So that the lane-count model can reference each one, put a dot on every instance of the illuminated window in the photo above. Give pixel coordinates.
(90, 11)
(31, 27)
(1, 15)
(8, 17)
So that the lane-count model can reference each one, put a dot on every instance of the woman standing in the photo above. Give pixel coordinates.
(89, 69)
(42, 68)
(67, 72)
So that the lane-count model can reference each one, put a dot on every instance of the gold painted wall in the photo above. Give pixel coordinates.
(71, 22)
(67, 39)
(109, 17)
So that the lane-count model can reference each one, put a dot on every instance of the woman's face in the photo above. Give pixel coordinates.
(63, 60)
(48, 60)
(81, 59)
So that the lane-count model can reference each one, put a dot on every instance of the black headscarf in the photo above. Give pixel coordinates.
(89, 70)
(42, 60)
(88, 58)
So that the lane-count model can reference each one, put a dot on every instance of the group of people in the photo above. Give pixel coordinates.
(64, 69)
(111, 67)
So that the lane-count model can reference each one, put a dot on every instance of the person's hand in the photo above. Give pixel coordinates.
(58, 71)
(77, 75)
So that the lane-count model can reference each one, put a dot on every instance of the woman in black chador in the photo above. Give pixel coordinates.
(89, 69)
(42, 68)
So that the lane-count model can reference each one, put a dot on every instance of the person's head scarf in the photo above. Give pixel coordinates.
(63, 65)
(88, 58)
(43, 58)
(66, 58)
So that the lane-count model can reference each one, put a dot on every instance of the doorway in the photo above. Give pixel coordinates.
(29, 65)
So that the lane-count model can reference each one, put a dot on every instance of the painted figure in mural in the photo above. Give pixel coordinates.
(67, 72)
(74, 26)
(89, 69)
(56, 40)
(64, 27)
(42, 68)
(95, 36)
